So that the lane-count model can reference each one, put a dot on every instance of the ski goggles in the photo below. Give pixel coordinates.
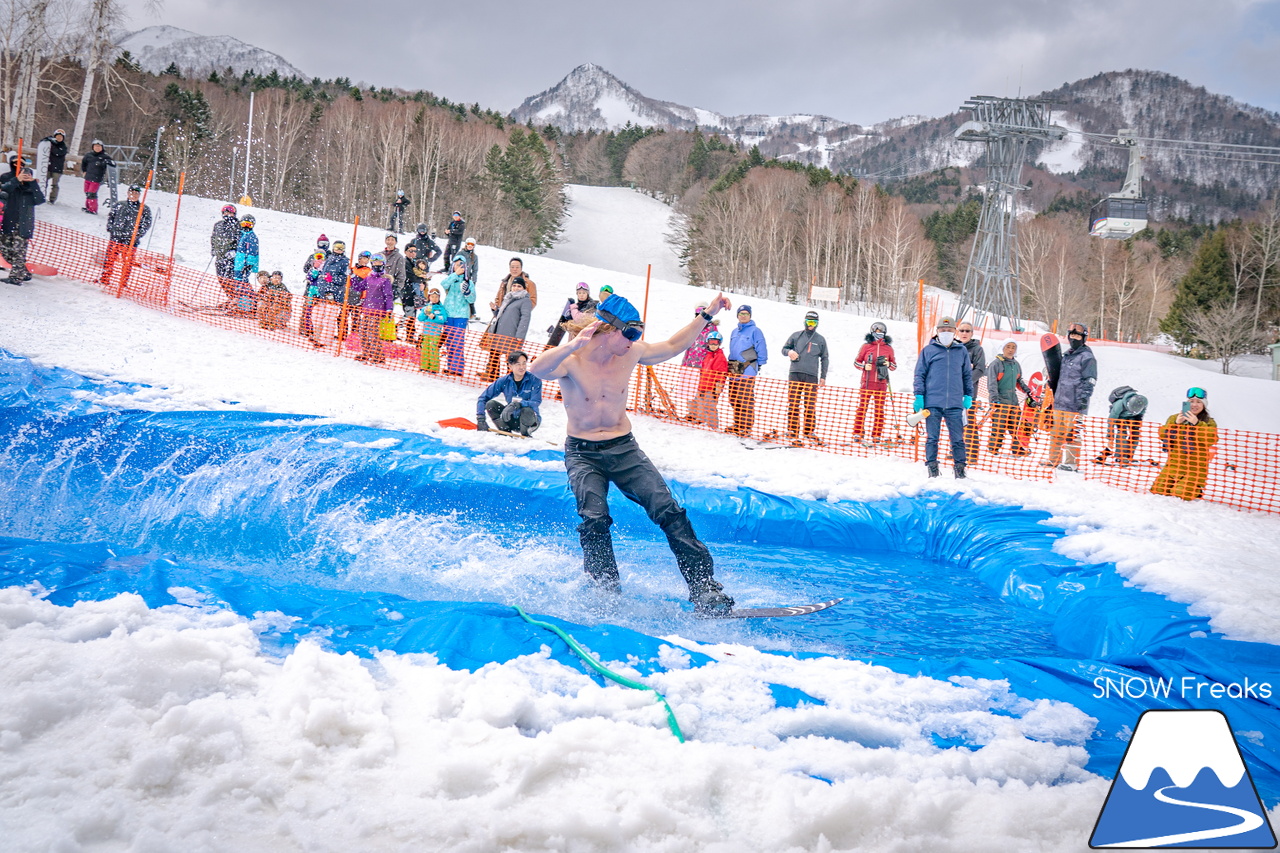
(632, 331)
(1195, 392)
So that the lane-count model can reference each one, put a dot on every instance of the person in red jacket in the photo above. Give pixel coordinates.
(711, 378)
(875, 360)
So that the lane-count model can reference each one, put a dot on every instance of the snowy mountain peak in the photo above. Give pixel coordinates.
(156, 48)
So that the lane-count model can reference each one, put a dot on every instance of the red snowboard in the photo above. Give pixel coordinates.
(34, 269)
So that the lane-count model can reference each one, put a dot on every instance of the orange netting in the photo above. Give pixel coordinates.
(1238, 468)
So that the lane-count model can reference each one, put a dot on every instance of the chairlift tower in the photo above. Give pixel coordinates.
(1006, 126)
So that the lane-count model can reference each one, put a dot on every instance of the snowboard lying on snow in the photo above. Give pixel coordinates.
(34, 269)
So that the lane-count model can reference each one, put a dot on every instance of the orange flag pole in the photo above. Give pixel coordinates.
(133, 236)
(346, 291)
(173, 245)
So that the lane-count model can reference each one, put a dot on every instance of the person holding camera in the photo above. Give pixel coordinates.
(523, 391)
(21, 194)
(747, 354)
(809, 361)
(875, 360)
(1188, 437)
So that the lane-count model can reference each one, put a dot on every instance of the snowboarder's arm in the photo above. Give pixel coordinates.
(656, 353)
(551, 363)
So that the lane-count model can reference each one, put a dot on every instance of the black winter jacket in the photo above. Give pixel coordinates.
(120, 222)
(225, 237)
(94, 166)
(57, 155)
(20, 206)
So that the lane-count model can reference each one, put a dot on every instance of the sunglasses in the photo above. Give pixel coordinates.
(1195, 393)
(964, 331)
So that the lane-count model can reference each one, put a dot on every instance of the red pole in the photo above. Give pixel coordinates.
(346, 291)
(173, 245)
(133, 236)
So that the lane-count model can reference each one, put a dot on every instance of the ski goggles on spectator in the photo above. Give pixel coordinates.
(631, 331)
(1195, 392)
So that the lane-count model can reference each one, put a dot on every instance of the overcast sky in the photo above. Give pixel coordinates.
(856, 60)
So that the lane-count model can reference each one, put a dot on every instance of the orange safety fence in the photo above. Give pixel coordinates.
(1238, 468)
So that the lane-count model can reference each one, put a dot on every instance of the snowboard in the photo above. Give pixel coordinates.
(772, 612)
(33, 268)
(41, 170)
(113, 186)
(1030, 415)
(1051, 348)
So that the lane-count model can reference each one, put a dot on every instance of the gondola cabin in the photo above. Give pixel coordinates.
(1118, 218)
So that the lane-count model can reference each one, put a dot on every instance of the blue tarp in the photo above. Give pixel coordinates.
(248, 483)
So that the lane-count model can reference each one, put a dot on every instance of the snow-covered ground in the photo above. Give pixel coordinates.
(125, 728)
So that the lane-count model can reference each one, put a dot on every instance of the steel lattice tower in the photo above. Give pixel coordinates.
(1006, 125)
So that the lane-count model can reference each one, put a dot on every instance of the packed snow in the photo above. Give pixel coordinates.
(128, 728)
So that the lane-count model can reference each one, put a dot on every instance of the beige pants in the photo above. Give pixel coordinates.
(1062, 424)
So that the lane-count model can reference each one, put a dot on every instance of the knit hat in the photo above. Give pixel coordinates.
(1005, 343)
(742, 308)
(619, 309)
(946, 324)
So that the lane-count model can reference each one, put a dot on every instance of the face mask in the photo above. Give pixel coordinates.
(945, 338)
(1075, 342)
(879, 336)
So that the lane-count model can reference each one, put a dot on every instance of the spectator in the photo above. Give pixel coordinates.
(432, 317)
(93, 165)
(1076, 378)
(1188, 437)
(875, 360)
(354, 294)
(944, 386)
(747, 354)
(415, 289)
(809, 360)
(332, 284)
(57, 163)
(398, 204)
(1004, 381)
(397, 270)
(515, 269)
(523, 391)
(427, 249)
(693, 355)
(455, 229)
(377, 298)
(21, 193)
(274, 303)
(581, 303)
(246, 260)
(978, 364)
(457, 304)
(510, 325)
(314, 272)
(222, 248)
(1124, 426)
(122, 237)
(473, 269)
(712, 375)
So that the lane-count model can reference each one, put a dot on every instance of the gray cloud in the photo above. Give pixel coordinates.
(859, 61)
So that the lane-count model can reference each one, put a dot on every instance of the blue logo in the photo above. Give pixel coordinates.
(1183, 783)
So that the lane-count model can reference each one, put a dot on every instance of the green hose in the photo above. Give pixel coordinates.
(607, 673)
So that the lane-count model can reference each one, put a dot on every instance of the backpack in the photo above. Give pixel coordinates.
(1127, 404)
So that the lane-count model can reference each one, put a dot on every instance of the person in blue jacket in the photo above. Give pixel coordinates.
(246, 260)
(747, 354)
(523, 391)
(459, 296)
(944, 386)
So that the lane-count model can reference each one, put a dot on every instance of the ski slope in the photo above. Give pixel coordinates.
(173, 727)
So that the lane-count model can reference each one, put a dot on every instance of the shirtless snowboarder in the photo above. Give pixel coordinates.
(594, 369)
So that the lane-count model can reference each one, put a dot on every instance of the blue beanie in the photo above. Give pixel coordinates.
(618, 308)
(742, 308)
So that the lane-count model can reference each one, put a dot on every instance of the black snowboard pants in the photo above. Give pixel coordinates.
(592, 466)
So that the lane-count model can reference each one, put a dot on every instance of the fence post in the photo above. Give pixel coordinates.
(346, 291)
(132, 248)
(173, 245)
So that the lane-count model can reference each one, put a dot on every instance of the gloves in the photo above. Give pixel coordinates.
(918, 404)
(328, 277)
(1033, 403)
(466, 288)
(512, 410)
(482, 424)
(967, 402)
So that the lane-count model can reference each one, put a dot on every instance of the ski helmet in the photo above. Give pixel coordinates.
(421, 228)
(399, 192)
(811, 317)
(318, 256)
(1078, 329)
(471, 243)
(97, 142)
(365, 254)
(247, 220)
(378, 259)
(134, 188)
(339, 246)
(228, 210)
(879, 327)
(59, 132)
(715, 336)
(458, 213)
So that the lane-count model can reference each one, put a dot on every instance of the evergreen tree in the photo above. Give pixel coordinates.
(1206, 285)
